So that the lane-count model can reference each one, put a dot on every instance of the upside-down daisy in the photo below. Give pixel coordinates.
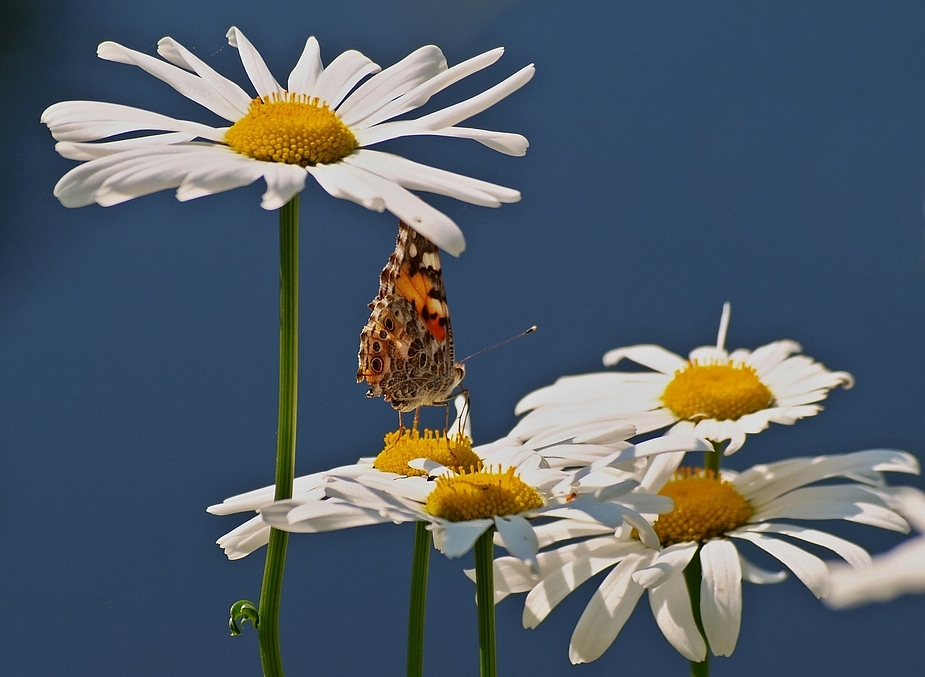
(713, 394)
(320, 124)
(710, 518)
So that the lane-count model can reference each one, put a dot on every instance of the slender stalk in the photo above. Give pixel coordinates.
(693, 574)
(712, 460)
(418, 600)
(485, 598)
(271, 590)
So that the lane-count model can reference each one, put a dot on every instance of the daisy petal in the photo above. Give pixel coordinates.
(254, 66)
(93, 120)
(609, 609)
(808, 568)
(177, 54)
(755, 574)
(669, 563)
(283, 182)
(651, 356)
(855, 555)
(303, 77)
(671, 607)
(721, 595)
(342, 75)
(518, 538)
(504, 142)
(455, 539)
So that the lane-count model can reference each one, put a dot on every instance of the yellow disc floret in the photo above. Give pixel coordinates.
(406, 445)
(705, 507)
(717, 390)
(292, 128)
(481, 495)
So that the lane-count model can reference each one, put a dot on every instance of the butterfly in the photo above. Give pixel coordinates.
(406, 347)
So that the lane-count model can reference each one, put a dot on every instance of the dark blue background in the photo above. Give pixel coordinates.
(683, 154)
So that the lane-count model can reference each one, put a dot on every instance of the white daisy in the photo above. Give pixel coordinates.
(513, 486)
(710, 518)
(897, 572)
(713, 394)
(330, 510)
(320, 124)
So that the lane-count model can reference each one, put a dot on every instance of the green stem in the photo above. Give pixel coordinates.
(693, 575)
(712, 460)
(418, 600)
(271, 590)
(485, 598)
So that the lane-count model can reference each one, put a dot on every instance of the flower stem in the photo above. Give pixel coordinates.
(712, 460)
(693, 575)
(271, 590)
(485, 598)
(418, 600)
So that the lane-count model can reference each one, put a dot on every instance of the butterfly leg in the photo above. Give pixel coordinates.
(417, 414)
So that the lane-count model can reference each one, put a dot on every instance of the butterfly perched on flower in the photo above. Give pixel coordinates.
(406, 347)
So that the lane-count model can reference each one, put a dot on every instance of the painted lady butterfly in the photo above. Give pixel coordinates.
(406, 348)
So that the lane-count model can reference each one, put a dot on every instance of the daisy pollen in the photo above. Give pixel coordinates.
(402, 446)
(292, 128)
(705, 506)
(481, 494)
(720, 390)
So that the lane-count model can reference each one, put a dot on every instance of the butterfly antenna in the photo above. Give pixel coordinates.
(498, 345)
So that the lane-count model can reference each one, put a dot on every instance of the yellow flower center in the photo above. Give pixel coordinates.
(481, 494)
(705, 506)
(719, 391)
(294, 129)
(406, 445)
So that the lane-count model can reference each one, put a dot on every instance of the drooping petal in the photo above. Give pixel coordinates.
(283, 182)
(651, 356)
(455, 539)
(721, 595)
(504, 142)
(808, 568)
(670, 562)
(518, 538)
(609, 609)
(854, 554)
(177, 54)
(93, 120)
(671, 607)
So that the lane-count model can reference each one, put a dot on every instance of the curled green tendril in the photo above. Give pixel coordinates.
(242, 610)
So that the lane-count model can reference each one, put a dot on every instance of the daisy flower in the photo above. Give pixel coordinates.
(321, 123)
(897, 572)
(700, 539)
(713, 394)
(323, 502)
(509, 488)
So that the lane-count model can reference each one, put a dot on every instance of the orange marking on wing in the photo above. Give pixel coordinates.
(417, 290)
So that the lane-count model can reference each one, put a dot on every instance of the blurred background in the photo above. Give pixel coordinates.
(682, 155)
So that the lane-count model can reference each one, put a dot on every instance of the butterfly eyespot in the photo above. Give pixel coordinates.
(376, 364)
(377, 346)
(389, 324)
(383, 334)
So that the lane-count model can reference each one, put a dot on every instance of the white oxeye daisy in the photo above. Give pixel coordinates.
(713, 394)
(320, 124)
(511, 486)
(700, 539)
(453, 450)
(894, 573)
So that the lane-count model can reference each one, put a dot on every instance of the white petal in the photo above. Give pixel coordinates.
(177, 54)
(92, 120)
(189, 85)
(340, 181)
(852, 502)
(420, 66)
(808, 568)
(303, 77)
(503, 142)
(421, 94)
(651, 356)
(329, 515)
(518, 538)
(243, 540)
(855, 555)
(759, 576)
(92, 151)
(671, 607)
(899, 571)
(342, 75)
(458, 538)
(721, 595)
(669, 563)
(415, 176)
(254, 66)
(446, 117)
(609, 609)
(567, 529)
(283, 182)
(432, 224)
